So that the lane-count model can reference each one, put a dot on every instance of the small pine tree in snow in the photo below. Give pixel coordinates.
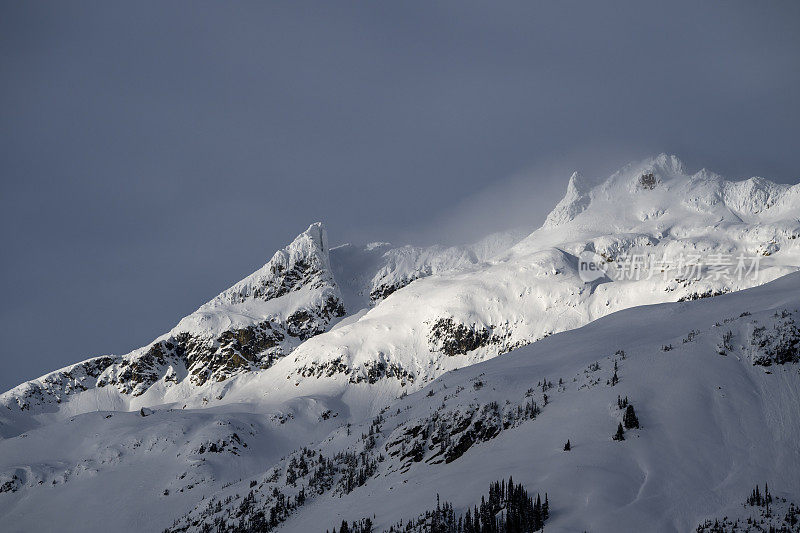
(567, 446)
(545, 508)
(620, 434)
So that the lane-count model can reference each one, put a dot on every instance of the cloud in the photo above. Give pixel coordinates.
(520, 201)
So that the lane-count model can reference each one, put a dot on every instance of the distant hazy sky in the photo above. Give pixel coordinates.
(153, 153)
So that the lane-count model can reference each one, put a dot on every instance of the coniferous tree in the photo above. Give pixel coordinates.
(567, 446)
(630, 419)
(545, 509)
(620, 434)
(508, 508)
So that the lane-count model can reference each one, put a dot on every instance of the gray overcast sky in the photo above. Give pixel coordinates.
(153, 153)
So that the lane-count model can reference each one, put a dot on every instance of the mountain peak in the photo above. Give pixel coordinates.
(574, 201)
(316, 235)
(667, 163)
(305, 261)
(659, 186)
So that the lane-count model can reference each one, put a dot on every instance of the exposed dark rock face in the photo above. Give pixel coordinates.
(236, 350)
(136, 374)
(373, 371)
(648, 181)
(305, 324)
(700, 295)
(231, 444)
(327, 369)
(452, 338)
(242, 346)
(58, 385)
(382, 291)
(256, 346)
(369, 372)
(202, 360)
(285, 279)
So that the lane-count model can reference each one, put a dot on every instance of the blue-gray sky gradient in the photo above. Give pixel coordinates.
(153, 153)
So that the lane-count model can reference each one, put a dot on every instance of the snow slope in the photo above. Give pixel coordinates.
(718, 415)
(714, 422)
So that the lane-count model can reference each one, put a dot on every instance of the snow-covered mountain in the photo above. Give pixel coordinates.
(713, 386)
(310, 348)
(247, 327)
(534, 289)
